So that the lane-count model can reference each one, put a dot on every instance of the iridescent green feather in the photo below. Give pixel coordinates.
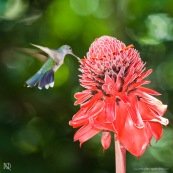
(48, 65)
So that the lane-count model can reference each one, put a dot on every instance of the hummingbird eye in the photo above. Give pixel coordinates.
(70, 48)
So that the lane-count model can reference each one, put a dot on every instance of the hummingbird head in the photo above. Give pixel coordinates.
(66, 49)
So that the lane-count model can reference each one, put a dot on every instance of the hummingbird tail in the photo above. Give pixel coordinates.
(42, 79)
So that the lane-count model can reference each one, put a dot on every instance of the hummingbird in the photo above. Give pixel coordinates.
(55, 58)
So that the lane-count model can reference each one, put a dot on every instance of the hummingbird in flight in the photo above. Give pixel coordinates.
(55, 58)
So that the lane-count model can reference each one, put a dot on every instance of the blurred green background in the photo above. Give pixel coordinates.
(34, 133)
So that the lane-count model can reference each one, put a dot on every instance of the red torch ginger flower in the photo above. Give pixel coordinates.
(115, 100)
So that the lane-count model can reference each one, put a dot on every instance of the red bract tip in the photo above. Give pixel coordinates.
(115, 100)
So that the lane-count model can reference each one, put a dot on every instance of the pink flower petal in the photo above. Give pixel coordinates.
(144, 75)
(121, 116)
(137, 84)
(147, 90)
(82, 99)
(78, 95)
(148, 115)
(89, 134)
(133, 110)
(156, 130)
(82, 131)
(135, 140)
(90, 102)
(109, 110)
(154, 104)
(106, 139)
(109, 85)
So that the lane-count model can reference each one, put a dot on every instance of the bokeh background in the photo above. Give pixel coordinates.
(34, 133)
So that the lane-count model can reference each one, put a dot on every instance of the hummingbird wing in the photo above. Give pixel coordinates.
(40, 55)
(49, 52)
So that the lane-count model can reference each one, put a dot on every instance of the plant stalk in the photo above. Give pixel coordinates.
(120, 157)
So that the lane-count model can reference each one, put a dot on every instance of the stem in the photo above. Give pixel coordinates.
(120, 155)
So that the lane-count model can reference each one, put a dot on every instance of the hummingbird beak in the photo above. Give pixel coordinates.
(75, 56)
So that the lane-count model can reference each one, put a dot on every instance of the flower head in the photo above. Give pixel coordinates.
(115, 100)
